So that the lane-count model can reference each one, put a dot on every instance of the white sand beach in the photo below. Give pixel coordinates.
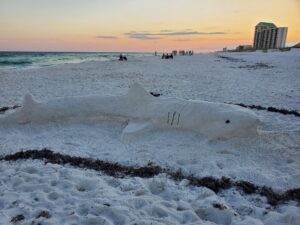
(82, 196)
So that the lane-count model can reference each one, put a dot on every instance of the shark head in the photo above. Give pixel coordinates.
(237, 123)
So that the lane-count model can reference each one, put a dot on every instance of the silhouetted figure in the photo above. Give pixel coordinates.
(167, 56)
(122, 58)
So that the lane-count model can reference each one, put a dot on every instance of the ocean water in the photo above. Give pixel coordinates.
(23, 60)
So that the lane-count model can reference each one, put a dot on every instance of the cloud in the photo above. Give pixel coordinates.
(166, 30)
(182, 33)
(182, 40)
(149, 35)
(143, 36)
(106, 37)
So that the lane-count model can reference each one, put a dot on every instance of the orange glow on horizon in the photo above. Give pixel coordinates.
(139, 25)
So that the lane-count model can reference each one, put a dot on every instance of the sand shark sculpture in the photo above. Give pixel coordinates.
(143, 112)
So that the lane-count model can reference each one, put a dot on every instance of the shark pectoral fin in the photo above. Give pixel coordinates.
(137, 129)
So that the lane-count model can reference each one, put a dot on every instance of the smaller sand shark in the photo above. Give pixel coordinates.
(144, 112)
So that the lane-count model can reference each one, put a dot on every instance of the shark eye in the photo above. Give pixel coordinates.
(227, 121)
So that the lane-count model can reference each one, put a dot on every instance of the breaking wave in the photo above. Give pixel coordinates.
(41, 59)
(15, 62)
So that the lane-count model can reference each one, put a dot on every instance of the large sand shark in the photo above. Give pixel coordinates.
(143, 112)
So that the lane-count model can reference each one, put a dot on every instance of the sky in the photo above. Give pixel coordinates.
(139, 25)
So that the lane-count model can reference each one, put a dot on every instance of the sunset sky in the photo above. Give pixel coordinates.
(139, 25)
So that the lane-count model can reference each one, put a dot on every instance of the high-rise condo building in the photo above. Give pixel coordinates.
(267, 35)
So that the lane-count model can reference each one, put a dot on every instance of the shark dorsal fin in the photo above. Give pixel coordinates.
(28, 101)
(136, 91)
(28, 107)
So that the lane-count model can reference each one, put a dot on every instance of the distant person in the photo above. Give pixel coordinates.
(122, 58)
(167, 56)
(171, 56)
(163, 56)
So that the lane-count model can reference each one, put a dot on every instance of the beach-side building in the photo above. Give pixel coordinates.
(268, 35)
(244, 48)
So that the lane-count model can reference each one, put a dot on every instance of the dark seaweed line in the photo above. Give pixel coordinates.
(230, 58)
(151, 170)
(5, 108)
(269, 109)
